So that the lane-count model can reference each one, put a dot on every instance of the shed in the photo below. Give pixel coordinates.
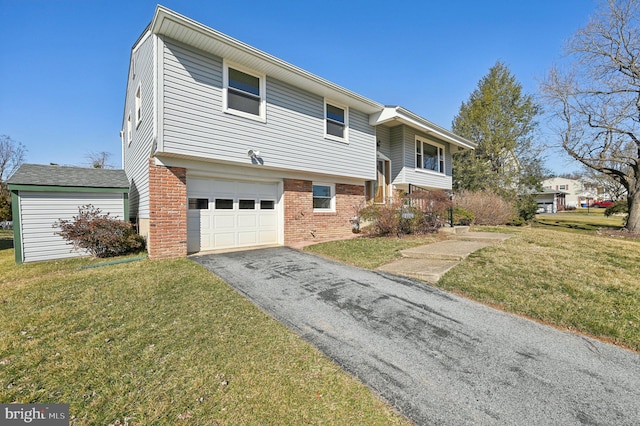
(41, 195)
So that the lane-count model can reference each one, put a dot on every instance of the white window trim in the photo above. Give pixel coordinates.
(437, 145)
(332, 187)
(346, 121)
(225, 89)
(138, 104)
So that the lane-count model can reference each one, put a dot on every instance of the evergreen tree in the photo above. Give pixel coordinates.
(502, 121)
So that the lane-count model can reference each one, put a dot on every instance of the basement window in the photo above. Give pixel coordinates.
(324, 197)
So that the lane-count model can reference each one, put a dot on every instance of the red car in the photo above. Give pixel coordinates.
(603, 204)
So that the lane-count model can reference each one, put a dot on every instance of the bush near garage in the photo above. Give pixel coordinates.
(422, 212)
(99, 233)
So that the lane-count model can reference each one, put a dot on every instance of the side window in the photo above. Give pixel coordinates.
(129, 130)
(324, 197)
(138, 105)
(336, 121)
(244, 92)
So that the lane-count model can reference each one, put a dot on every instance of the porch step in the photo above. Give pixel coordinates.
(456, 230)
(451, 250)
(489, 237)
(425, 270)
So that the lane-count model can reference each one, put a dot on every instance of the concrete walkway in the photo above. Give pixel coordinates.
(430, 262)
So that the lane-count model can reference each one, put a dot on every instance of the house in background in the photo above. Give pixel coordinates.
(572, 189)
(227, 146)
(550, 200)
(577, 193)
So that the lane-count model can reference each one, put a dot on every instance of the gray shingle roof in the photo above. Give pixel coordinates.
(41, 175)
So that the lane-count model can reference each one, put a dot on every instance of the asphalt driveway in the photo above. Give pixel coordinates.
(436, 357)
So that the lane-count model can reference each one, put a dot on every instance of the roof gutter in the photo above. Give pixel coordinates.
(400, 115)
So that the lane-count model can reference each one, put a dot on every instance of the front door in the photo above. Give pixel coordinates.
(382, 183)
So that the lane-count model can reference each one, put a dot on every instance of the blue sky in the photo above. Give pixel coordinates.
(64, 63)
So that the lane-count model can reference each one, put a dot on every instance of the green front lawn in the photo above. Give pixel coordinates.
(162, 342)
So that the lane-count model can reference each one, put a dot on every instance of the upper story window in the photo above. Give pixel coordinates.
(429, 156)
(336, 121)
(244, 92)
(129, 131)
(138, 105)
(324, 197)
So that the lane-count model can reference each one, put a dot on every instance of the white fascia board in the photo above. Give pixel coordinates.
(178, 27)
(404, 116)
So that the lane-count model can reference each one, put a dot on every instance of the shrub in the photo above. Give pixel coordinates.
(419, 213)
(620, 207)
(431, 210)
(487, 207)
(384, 219)
(462, 216)
(527, 207)
(99, 234)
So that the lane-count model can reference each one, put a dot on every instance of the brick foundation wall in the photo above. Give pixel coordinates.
(302, 224)
(167, 211)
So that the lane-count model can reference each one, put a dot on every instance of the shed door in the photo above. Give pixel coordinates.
(40, 210)
(228, 214)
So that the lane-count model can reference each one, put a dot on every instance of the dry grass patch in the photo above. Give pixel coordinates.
(575, 280)
(370, 253)
(162, 342)
(580, 220)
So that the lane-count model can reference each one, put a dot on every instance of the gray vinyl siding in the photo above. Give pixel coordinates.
(398, 165)
(383, 140)
(40, 210)
(136, 156)
(292, 137)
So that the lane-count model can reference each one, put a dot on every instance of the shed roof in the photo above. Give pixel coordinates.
(56, 176)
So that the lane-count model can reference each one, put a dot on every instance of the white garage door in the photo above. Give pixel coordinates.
(40, 210)
(227, 214)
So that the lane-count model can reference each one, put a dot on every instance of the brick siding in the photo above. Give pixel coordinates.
(301, 224)
(167, 211)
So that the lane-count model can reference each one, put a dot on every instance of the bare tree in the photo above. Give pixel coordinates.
(11, 157)
(596, 100)
(99, 160)
(612, 187)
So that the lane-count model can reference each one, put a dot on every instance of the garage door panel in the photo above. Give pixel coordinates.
(248, 220)
(224, 222)
(247, 238)
(266, 237)
(224, 240)
(268, 220)
(245, 224)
